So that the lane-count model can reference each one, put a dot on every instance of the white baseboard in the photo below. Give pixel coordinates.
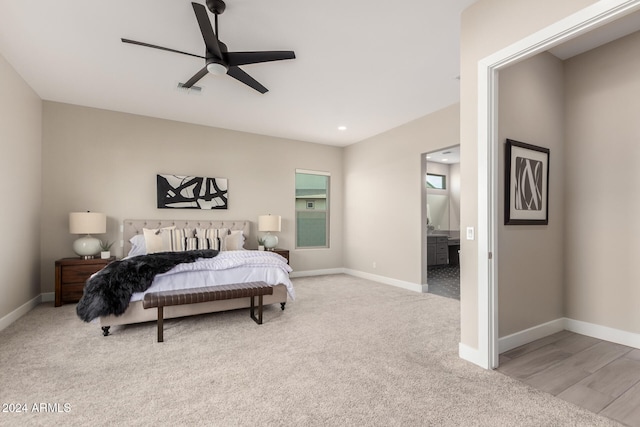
(19, 312)
(528, 335)
(386, 280)
(618, 336)
(48, 297)
(380, 279)
(309, 273)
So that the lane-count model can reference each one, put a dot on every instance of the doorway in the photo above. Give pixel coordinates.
(441, 222)
(579, 23)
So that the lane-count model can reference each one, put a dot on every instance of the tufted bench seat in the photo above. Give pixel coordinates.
(210, 293)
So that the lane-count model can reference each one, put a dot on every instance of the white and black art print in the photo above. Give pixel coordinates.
(526, 184)
(191, 192)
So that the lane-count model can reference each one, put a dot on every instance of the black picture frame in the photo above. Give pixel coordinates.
(191, 192)
(526, 190)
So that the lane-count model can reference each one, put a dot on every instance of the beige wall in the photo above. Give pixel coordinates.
(383, 195)
(107, 162)
(603, 186)
(486, 27)
(20, 172)
(530, 268)
(454, 197)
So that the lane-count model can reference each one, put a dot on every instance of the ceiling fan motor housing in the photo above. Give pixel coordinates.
(216, 6)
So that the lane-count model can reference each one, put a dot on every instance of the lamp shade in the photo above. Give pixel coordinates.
(269, 223)
(87, 223)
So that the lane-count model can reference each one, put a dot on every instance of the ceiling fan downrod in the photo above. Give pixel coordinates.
(216, 7)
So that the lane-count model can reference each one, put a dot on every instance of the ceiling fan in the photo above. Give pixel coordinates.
(218, 60)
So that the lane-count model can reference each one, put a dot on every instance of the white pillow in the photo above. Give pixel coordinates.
(137, 246)
(234, 241)
(157, 239)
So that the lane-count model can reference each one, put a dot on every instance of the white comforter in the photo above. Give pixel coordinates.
(225, 268)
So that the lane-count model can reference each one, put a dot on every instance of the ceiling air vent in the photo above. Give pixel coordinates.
(196, 90)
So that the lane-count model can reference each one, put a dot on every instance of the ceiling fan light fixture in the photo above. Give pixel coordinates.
(216, 69)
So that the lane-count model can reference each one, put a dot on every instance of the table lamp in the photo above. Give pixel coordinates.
(269, 223)
(87, 223)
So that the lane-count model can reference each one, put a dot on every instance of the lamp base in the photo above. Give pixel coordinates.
(86, 247)
(270, 241)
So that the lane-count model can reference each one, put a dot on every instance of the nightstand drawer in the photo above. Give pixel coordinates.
(71, 275)
(72, 292)
(78, 273)
(283, 253)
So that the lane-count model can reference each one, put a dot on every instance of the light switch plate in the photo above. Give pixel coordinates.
(471, 234)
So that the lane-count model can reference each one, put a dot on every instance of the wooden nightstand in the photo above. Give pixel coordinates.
(283, 253)
(72, 273)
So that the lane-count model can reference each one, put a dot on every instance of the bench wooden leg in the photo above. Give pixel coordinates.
(253, 316)
(160, 324)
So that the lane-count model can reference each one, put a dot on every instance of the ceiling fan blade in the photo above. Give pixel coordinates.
(160, 47)
(197, 76)
(210, 39)
(243, 58)
(245, 78)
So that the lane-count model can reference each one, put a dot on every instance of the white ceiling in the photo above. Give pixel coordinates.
(368, 65)
(599, 36)
(450, 155)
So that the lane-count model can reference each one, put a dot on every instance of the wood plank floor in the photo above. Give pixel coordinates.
(597, 375)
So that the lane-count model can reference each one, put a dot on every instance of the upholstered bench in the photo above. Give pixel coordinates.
(210, 293)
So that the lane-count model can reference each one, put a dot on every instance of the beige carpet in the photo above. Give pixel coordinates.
(347, 352)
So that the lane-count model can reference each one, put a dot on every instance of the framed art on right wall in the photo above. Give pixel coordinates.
(526, 184)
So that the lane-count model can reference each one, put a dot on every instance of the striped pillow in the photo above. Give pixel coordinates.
(211, 237)
(179, 238)
(191, 244)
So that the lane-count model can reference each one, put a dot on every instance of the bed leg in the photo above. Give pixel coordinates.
(105, 331)
(282, 304)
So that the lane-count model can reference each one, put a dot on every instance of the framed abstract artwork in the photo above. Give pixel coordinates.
(526, 184)
(191, 192)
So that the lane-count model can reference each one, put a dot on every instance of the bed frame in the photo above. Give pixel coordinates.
(135, 313)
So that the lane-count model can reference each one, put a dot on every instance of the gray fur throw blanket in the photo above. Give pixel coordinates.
(109, 290)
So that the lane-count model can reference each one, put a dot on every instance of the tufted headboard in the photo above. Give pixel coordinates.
(134, 226)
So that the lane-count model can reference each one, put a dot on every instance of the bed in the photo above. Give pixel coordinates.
(234, 270)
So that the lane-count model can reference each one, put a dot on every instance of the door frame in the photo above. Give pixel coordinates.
(581, 22)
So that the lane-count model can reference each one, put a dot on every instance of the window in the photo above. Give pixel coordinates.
(312, 209)
(438, 182)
